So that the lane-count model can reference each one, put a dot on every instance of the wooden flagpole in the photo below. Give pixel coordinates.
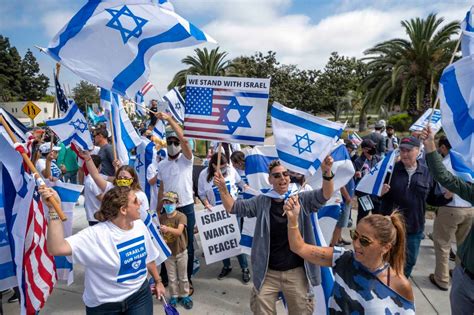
(26, 159)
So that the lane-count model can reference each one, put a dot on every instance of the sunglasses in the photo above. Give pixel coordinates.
(364, 242)
(280, 175)
(175, 143)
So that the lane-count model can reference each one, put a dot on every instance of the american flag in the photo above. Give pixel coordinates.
(355, 138)
(223, 114)
(146, 88)
(38, 265)
(63, 103)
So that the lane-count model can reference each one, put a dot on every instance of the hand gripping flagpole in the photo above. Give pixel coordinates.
(33, 169)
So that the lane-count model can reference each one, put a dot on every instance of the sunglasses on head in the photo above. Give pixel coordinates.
(279, 175)
(364, 242)
(171, 142)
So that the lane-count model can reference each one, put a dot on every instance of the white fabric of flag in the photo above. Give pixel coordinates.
(302, 140)
(72, 128)
(456, 95)
(373, 181)
(159, 129)
(467, 35)
(146, 155)
(110, 42)
(69, 194)
(176, 104)
(342, 168)
(125, 136)
(15, 125)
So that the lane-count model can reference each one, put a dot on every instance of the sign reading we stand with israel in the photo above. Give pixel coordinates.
(422, 122)
(226, 109)
(219, 233)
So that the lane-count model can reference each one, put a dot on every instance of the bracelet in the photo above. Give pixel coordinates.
(293, 227)
(328, 177)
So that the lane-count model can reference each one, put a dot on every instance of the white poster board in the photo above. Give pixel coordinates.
(219, 233)
(423, 121)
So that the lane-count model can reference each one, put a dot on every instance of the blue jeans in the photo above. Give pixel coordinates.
(412, 250)
(70, 177)
(140, 302)
(343, 220)
(188, 211)
(242, 257)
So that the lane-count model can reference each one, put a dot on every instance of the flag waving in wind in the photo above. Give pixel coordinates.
(456, 88)
(110, 42)
(373, 181)
(140, 99)
(302, 140)
(176, 105)
(467, 35)
(125, 136)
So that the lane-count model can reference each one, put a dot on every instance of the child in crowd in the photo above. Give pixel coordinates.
(173, 225)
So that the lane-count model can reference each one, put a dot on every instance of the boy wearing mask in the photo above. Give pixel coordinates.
(173, 225)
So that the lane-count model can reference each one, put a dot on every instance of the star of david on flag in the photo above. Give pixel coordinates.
(226, 114)
(72, 128)
(127, 32)
(302, 140)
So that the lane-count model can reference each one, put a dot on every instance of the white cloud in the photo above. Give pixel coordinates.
(53, 21)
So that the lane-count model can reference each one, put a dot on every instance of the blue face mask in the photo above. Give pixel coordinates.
(169, 208)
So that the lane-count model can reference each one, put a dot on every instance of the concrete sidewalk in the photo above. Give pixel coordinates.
(230, 295)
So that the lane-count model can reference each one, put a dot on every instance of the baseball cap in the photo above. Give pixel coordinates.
(379, 124)
(367, 143)
(45, 148)
(171, 196)
(410, 142)
(170, 133)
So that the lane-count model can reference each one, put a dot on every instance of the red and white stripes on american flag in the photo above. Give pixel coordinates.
(38, 265)
(146, 88)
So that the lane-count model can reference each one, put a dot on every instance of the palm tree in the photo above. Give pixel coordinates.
(205, 62)
(407, 71)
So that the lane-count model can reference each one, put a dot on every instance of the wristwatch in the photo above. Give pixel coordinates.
(328, 177)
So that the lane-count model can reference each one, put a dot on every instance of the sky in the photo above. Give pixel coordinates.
(301, 32)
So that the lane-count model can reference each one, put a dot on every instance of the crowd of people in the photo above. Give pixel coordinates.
(119, 255)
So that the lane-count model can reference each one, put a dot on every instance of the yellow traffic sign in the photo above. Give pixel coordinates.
(31, 110)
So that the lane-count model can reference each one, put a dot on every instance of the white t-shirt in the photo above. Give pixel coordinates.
(207, 190)
(91, 203)
(177, 175)
(150, 173)
(114, 260)
(41, 166)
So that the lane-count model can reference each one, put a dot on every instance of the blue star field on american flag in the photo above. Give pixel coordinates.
(61, 98)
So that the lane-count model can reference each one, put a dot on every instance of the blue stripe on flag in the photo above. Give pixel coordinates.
(463, 122)
(7, 270)
(196, 33)
(130, 242)
(62, 262)
(67, 195)
(64, 119)
(469, 27)
(148, 161)
(137, 67)
(300, 122)
(340, 154)
(75, 26)
(257, 163)
(299, 162)
(333, 211)
(246, 240)
(381, 174)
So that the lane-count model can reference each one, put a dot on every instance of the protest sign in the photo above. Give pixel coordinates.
(226, 109)
(422, 122)
(219, 233)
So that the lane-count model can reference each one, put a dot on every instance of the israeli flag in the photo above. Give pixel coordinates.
(72, 128)
(15, 125)
(456, 88)
(323, 291)
(302, 140)
(460, 168)
(467, 35)
(69, 194)
(146, 155)
(127, 32)
(140, 100)
(126, 137)
(163, 249)
(176, 105)
(373, 181)
(342, 168)
(159, 130)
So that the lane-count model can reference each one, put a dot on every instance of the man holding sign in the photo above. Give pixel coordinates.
(275, 267)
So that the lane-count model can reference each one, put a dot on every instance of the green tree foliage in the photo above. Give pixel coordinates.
(407, 71)
(10, 72)
(212, 63)
(85, 94)
(33, 84)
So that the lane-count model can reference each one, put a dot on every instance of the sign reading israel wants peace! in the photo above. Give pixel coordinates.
(226, 109)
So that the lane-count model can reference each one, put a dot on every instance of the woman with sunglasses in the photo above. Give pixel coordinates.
(210, 197)
(117, 254)
(369, 279)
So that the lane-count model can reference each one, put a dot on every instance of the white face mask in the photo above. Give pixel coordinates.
(173, 150)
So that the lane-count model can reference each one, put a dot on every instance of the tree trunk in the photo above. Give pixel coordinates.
(362, 120)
